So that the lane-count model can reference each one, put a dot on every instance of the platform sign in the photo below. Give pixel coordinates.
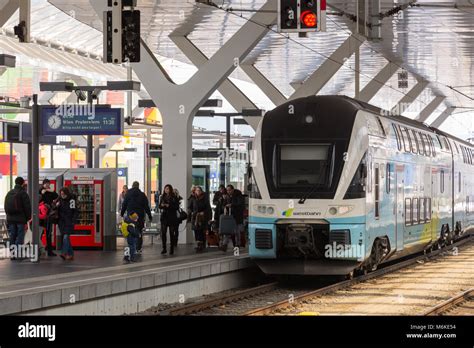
(80, 120)
(122, 172)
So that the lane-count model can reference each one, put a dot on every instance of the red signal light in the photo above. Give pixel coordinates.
(309, 19)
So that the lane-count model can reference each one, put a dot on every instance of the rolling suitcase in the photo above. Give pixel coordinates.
(227, 224)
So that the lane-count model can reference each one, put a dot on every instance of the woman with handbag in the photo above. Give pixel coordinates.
(169, 205)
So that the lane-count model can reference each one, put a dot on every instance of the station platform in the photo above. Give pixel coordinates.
(54, 286)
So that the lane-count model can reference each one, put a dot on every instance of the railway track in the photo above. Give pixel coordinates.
(274, 299)
(462, 304)
(371, 294)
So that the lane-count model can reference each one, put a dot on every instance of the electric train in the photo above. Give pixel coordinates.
(339, 186)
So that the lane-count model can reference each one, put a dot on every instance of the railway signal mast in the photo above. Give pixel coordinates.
(301, 16)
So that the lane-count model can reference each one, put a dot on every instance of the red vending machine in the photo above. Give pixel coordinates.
(96, 194)
(56, 178)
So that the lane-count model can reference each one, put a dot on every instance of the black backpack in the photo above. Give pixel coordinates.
(13, 204)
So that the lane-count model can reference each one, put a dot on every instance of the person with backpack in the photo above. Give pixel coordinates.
(18, 212)
(137, 202)
(67, 212)
(48, 195)
(130, 232)
(169, 205)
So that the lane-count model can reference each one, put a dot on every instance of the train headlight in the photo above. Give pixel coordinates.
(345, 209)
(264, 209)
(309, 119)
(340, 210)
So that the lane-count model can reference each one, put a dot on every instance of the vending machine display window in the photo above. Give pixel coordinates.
(84, 194)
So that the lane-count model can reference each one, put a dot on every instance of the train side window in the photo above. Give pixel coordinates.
(415, 211)
(440, 143)
(428, 209)
(433, 149)
(408, 217)
(397, 136)
(427, 145)
(388, 173)
(441, 181)
(419, 141)
(414, 143)
(446, 144)
(406, 139)
(377, 191)
(422, 210)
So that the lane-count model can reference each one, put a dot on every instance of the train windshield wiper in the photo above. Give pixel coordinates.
(309, 193)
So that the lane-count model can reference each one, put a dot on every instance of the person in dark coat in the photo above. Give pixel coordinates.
(202, 213)
(67, 213)
(236, 204)
(219, 200)
(191, 199)
(169, 205)
(48, 195)
(18, 210)
(137, 202)
(180, 200)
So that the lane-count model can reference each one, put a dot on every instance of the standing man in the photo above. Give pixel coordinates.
(137, 202)
(122, 197)
(18, 210)
(236, 204)
(48, 195)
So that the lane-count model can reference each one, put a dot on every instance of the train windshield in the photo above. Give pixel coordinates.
(303, 166)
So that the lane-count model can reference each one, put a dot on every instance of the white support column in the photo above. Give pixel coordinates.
(179, 104)
(228, 89)
(330, 66)
(264, 84)
(430, 108)
(442, 117)
(410, 97)
(371, 89)
(8, 10)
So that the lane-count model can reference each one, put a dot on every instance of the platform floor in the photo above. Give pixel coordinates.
(94, 271)
(93, 259)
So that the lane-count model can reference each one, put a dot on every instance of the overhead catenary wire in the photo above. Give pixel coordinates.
(305, 46)
(388, 13)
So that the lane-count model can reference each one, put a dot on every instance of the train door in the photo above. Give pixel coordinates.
(399, 206)
(435, 198)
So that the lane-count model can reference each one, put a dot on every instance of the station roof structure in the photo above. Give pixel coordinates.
(432, 40)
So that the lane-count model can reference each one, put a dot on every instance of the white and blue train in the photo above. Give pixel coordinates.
(338, 186)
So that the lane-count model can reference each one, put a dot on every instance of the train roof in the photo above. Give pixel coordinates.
(399, 118)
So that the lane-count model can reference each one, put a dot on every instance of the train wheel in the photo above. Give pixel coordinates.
(380, 249)
(350, 275)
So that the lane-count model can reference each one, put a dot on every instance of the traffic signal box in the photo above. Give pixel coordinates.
(300, 16)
